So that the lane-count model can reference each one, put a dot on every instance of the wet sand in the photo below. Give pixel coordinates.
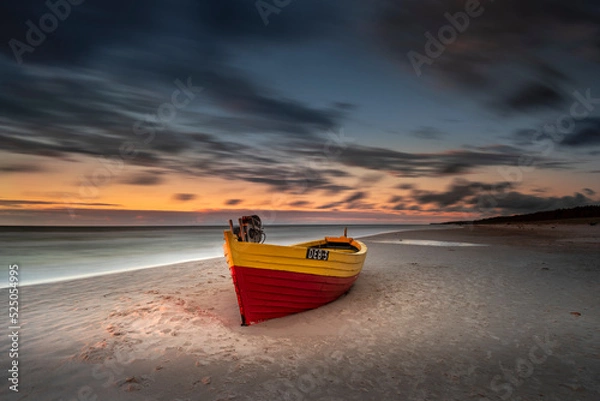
(517, 317)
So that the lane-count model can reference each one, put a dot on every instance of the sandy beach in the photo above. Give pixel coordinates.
(502, 313)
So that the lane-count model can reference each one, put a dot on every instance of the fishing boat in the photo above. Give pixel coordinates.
(273, 281)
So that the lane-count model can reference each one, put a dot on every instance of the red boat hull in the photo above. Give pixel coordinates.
(266, 294)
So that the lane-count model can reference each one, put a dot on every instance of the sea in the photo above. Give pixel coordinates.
(52, 254)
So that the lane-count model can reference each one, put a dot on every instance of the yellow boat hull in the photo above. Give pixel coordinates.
(274, 281)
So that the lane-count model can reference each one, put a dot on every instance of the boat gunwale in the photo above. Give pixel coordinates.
(299, 246)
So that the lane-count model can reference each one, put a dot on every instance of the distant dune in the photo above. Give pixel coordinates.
(577, 215)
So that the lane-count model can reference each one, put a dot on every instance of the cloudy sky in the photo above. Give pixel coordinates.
(194, 112)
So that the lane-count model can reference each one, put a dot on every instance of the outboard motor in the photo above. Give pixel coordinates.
(250, 229)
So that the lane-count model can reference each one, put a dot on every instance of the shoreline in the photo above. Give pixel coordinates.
(81, 276)
(109, 273)
(517, 318)
(420, 232)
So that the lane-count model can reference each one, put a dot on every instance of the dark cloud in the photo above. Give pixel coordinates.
(399, 206)
(587, 133)
(330, 205)
(454, 169)
(21, 168)
(459, 191)
(300, 203)
(492, 199)
(351, 202)
(589, 191)
(233, 202)
(144, 179)
(532, 96)
(332, 189)
(97, 117)
(279, 171)
(452, 162)
(584, 133)
(371, 178)
(504, 52)
(355, 196)
(236, 94)
(183, 197)
(337, 173)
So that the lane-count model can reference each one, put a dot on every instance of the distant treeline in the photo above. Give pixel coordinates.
(580, 212)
